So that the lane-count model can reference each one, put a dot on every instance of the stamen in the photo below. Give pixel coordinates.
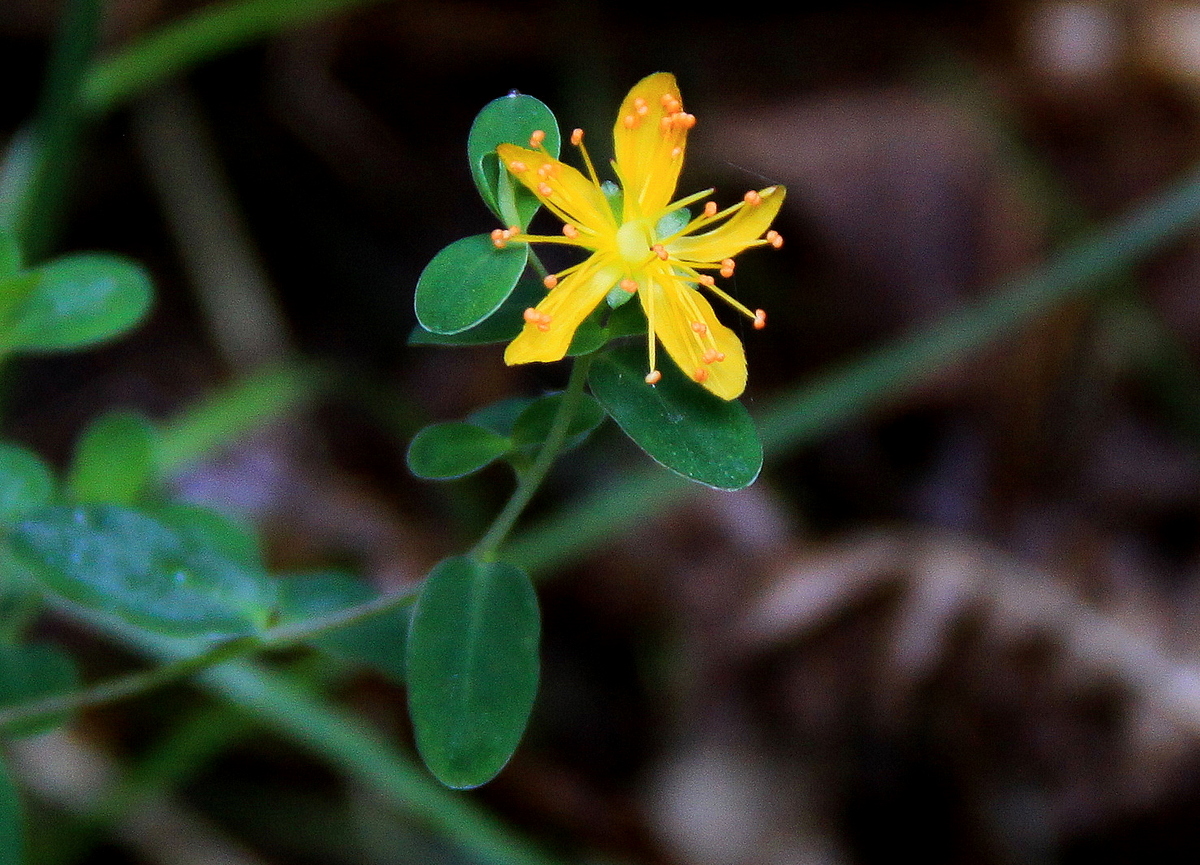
(661, 251)
(570, 231)
(576, 136)
(531, 315)
(499, 238)
(536, 139)
(676, 152)
(700, 327)
(774, 238)
(760, 319)
(710, 209)
(550, 281)
(653, 377)
(628, 285)
(752, 198)
(630, 121)
(670, 104)
(700, 375)
(517, 166)
(727, 265)
(545, 189)
(544, 324)
(711, 355)
(545, 170)
(706, 280)
(665, 124)
(640, 106)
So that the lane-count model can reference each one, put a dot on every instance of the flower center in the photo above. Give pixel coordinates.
(634, 240)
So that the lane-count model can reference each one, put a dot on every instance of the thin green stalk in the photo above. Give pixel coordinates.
(207, 33)
(532, 478)
(57, 128)
(122, 686)
(805, 414)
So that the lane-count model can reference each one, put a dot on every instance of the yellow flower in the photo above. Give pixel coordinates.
(627, 249)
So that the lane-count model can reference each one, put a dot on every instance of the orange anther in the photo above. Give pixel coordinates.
(550, 281)
(727, 270)
(774, 238)
(700, 375)
(752, 198)
(700, 327)
(517, 166)
(514, 229)
(653, 377)
(642, 110)
(705, 279)
(531, 315)
(639, 102)
(576, 137)
(760, 319)
(661, 251)
(497, 233)
(545, 170)
(711, 355)
(676, 152)
(670, 104)
(570, 231)
(628, 285)
(710, 209)
(630, 121)
(545, 189)
(665, 123)
(498, 242)
(689, 121)
(536, 139)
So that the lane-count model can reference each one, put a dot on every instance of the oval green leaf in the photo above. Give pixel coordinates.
(25, 482)
(32, 671)
(377, 642)
(128, 563)
(531, 428)
(502, 325)
(466, 282)
(678, 423)
(472, 668)
(114, 459)
(511, 119)
(77, 301)
(445, 451)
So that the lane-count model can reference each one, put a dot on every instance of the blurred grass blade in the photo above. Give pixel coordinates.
(206, 33)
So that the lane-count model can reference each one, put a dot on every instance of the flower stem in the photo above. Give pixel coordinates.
(530, 480)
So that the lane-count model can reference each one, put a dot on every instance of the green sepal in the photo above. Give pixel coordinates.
(677, 422)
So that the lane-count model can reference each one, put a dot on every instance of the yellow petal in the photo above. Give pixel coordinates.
(741, 230)
(571, 196)
(676, 307)
(567, 305)
(648, 146)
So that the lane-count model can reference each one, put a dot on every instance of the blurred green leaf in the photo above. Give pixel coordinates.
(114, 459)
(502, 325)
(377, 641)
(533, 426)
(10, 255)
(78, 300)
(12, 819)
(205, 528)
(677, 422)
(31, 671)
(499, 417)
(472, 668)
(445, 451)
(126, 562)
(466, 282)
(511, 119)
(25, 482)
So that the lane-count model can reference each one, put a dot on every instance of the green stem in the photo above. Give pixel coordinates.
(531, 479)
(805, 414)
(213, 30)
(121, 687)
